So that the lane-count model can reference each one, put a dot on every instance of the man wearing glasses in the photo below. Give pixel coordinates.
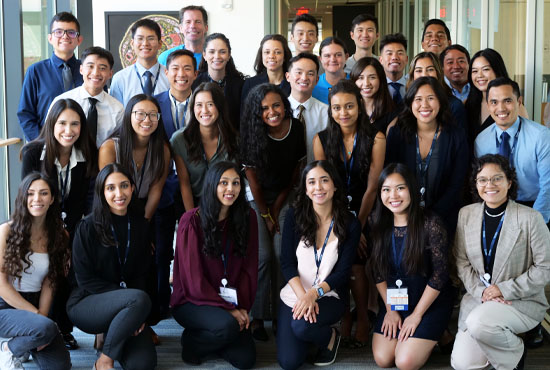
(51, 77)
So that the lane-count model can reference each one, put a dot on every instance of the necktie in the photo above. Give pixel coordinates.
(301, 117)
(67, 75)
(504, 147)
(396, 94)
(180, 115)
(148, 86)
(91, 119)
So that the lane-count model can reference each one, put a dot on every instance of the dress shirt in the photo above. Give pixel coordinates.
(126, 83)
(76, 156)
(163, 57)
(109, 110)
(402, 81)
(322, 89)
(316, 118)
(462, 95)
(174, 105)
(530, 157)
(43, 82)
(350, 63)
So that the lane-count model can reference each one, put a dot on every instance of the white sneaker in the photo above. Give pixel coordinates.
(8, 361)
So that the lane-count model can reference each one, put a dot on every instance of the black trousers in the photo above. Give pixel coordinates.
(213, 330)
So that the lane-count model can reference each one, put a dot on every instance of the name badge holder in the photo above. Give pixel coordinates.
(227, 293)
(348, 170)
(121, 262)
(485, 279)
(398, 298)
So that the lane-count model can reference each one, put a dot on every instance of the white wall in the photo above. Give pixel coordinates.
(244, 25)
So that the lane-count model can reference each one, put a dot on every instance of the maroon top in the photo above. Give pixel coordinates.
(197, 277)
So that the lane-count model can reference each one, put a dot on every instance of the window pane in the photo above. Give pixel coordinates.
(545, 104)
(36, 19)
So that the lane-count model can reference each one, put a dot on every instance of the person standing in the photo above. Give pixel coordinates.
(364, 33)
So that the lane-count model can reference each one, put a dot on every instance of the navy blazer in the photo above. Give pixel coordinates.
(262, 78)
(451, 171)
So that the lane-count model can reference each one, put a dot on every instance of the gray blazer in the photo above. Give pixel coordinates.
(522, 260)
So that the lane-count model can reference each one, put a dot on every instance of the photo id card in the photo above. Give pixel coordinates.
(398, 299)
(229, 295)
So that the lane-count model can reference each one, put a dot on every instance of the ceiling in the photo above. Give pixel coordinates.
(320, 7)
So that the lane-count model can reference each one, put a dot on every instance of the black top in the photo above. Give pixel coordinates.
(382, 122)
(491, 224)
(232, 89)
(262, 78)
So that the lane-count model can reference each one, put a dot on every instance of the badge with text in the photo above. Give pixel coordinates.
(398, 298)
(228, 294)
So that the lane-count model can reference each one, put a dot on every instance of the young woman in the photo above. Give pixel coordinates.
(502, 251)
(33, 257)
(435, 150)
(140, 146)
(116, 279)
(319, 241)
(485, 66)
(217, 66)
(369, 76)
(427, 64)
(216, 271)
(272, 150)
(65, 152)
(333, 55)
(410, 266)
(353, 145)
(271, 65)
(207, 139)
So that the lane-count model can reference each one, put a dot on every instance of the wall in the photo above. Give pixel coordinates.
(244, 25)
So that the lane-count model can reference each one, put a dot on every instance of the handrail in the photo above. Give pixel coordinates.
(11, 141)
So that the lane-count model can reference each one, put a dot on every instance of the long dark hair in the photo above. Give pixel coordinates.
(209, 211)
(127, 138)
(101, 212)
(18, 243)
(287, 54)
(382, 227)
(84, 143)
(192, 133)
(437, 66)
(306, 218)
(230, 69)
(407, 121)
(366, 132)
(254, 132)
(383, 103)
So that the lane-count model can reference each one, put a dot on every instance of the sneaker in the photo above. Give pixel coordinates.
(326, 356)
(8, 361)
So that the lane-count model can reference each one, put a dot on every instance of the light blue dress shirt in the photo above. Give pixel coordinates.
(126, 82)
(402, 81)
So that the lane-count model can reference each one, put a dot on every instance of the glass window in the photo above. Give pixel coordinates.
(545, 101)
(36, 22)
(4, 202)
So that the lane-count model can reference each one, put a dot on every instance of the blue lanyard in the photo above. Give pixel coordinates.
(64, 184)
(397, 259)
(320, 258)
(126, 252)
(516, 136)
(488, 253)
(141, 82)
(225, 260)
(177, 121)
(348, 170)
(424, 168)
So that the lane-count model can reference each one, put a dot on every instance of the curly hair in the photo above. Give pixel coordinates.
(210, 206)
(254, 131)
(366, 132)
(287, 54)
(504, 165)
(306, 218)
(18, 244)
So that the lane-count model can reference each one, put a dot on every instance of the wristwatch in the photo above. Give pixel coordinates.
(320, 291)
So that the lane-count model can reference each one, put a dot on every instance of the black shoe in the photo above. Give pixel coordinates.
(259, 333)
(190, 358)
(533, 338)
(70, 341)
(326, 356)
(521, 362)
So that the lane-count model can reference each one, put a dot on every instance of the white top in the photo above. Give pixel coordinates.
(126, 83)
(76, 156)
(307, 269)
(109, 110)
(316, 117)
(32, 277)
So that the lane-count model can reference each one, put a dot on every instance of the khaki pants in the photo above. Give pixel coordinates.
(491, 338)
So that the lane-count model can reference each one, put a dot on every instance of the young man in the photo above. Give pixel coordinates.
(436, 36)
(364, 32)
(194, 25)
(48, 78)
(304, 35)
(456, 63)
(303, 76)
(103, 112)
(393, 56)
(146, 76)
(181, 72)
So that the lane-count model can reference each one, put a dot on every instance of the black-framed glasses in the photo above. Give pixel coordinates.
(59, 33)
(140, 116)
(495, 180)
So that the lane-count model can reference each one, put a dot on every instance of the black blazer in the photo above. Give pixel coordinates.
(75, 203)
(232, 91)
(262, 78)
(451, 171)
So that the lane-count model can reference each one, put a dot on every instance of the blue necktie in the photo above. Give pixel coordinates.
(67, 75)
(396, 94)
(504, 147)
(148, 86)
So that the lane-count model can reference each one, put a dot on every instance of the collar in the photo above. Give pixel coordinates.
(84, 95)
(58, 62)
(402, 80)
(294, 104)
(175, 101)
(511, 131)
(76, 156)
(141, 69)
(465, 88)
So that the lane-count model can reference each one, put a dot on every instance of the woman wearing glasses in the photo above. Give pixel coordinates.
(141, 147)
(502, 252)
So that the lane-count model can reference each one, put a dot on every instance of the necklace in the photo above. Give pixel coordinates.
(490, 215)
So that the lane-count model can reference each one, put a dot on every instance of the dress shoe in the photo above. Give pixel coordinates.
(70, 341)
(534, 338)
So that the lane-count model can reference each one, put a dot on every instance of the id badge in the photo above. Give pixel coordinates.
(398, 299)
(229, 295)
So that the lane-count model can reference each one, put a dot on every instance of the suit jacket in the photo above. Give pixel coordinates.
(522, 260)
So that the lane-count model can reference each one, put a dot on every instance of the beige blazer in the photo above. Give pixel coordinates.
(522, 260)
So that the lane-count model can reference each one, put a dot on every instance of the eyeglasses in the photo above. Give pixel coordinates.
(140, 116)
(495, 180)
(59, 33)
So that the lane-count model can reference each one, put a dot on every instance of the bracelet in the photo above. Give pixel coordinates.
(268, 215)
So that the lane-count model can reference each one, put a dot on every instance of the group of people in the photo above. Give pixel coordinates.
(320, 176)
